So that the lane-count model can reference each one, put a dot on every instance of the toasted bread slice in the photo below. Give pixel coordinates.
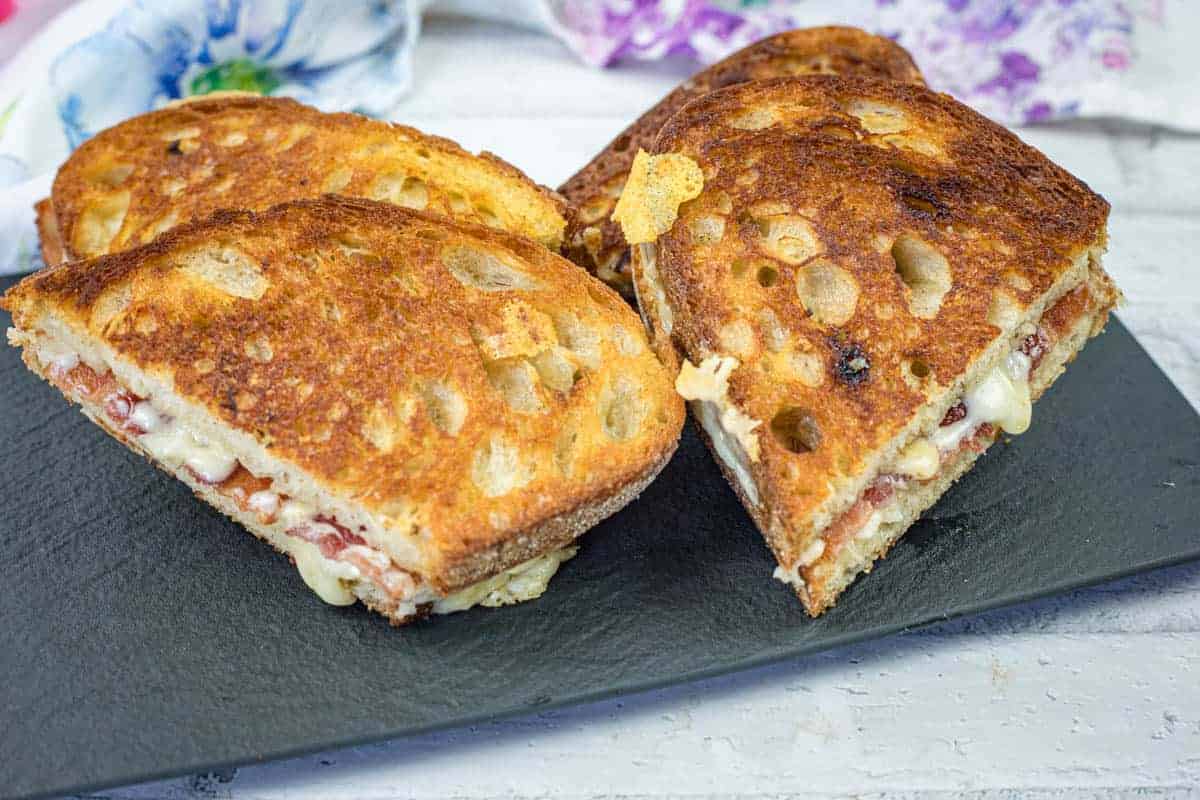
(406, 404)
(595, 242)
(873, 282)
(135, 180)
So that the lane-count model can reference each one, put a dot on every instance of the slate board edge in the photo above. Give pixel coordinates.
(761, 659)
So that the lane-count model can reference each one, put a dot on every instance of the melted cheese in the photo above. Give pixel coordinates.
(57, 356)
(727, 448)
(523, 582)
(265, 503)
(146, 417)
(920, 460)
(1002, 398)
(730, 429)
(709, 383)
(654, 190)
(648, 265)
(333, 581)
(813, 552)
(888, 514)
(790, 575)
(294, 513)
(173, 444)
(326, 577)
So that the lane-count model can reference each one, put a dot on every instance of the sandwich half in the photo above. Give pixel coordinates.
(423, 414)
(595, 242)
(131, 182)
(863, 284)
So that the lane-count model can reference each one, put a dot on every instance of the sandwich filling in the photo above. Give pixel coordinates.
(331, 558)
(731, 431)
(1000, 401)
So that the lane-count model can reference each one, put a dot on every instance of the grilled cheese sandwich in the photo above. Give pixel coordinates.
(873, 284)
(423, 414)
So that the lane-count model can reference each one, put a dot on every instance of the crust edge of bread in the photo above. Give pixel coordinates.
(48, 234)
(520, 546)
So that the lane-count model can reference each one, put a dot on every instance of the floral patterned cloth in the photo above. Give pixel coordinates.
(340, 56)
(100, 62)
(109, 61)
(1006, 58)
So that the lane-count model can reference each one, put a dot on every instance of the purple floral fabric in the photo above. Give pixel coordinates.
(1014, 60)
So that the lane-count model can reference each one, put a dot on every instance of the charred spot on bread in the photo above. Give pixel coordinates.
(851, 364)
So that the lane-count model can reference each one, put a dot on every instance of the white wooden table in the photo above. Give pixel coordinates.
(1091, 694)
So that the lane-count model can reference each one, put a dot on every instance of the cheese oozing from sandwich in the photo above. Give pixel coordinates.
(731, 431)
(1000, 400)
(332, 560)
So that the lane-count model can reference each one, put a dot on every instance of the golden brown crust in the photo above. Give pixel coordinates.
(129, 183)
(554, 533)
(47, 225)
(1077, 316)
(595, 242)
(858, 245)
(461, 381)
(1095, 298)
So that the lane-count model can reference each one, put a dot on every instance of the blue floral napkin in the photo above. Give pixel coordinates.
(93, 67)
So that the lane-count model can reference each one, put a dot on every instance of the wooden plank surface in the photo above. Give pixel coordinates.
(1087, 695)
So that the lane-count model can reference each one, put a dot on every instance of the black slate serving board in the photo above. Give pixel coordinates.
(143, 635)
